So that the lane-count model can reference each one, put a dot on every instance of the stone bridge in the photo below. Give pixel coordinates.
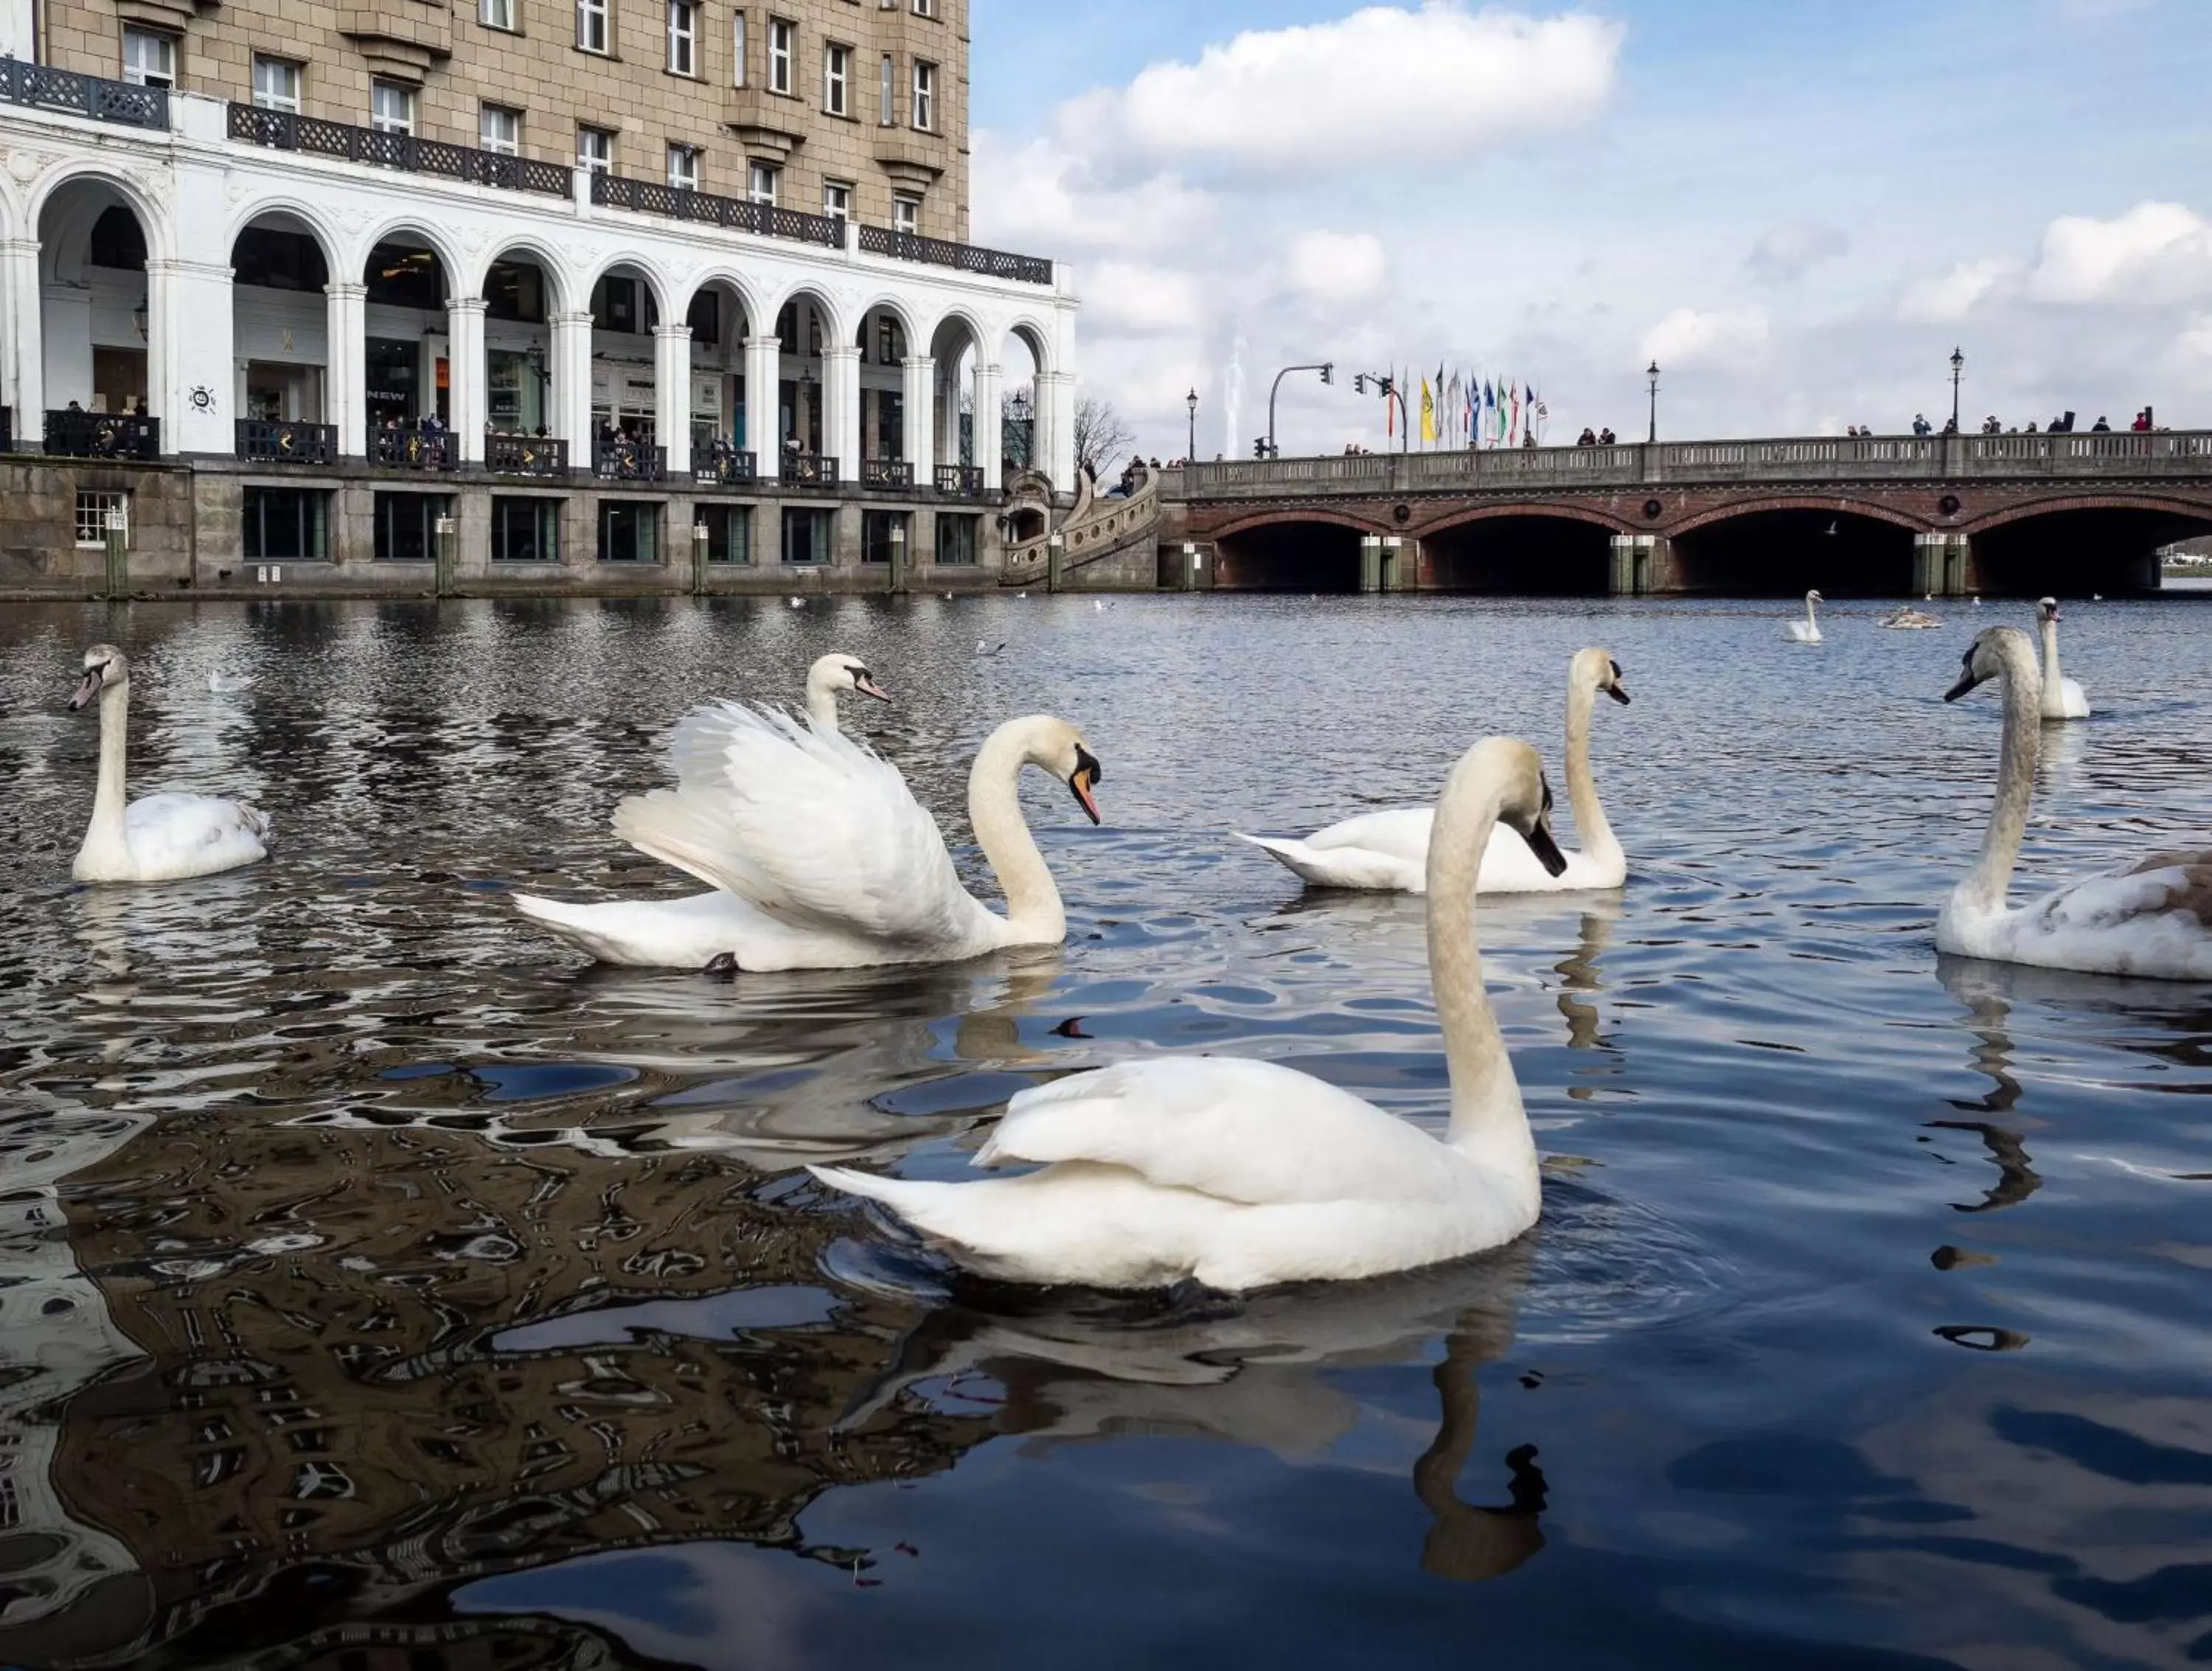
(1882, 516)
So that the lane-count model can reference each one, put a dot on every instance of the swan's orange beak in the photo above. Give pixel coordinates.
(1087, 772)
(86, 691)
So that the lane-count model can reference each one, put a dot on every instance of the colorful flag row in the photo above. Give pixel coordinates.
(1457, 410)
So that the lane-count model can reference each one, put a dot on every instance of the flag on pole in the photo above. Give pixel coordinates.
(1466, 417)
(1489, 412)
(1513, 423)
(1538, 412)
(1428, 413)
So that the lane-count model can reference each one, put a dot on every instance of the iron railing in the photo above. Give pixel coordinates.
(725, 466)
(527, 455)
(22, 83)
(272, 442)
(960, 481)
(896, 475)
(650, 197)
(412, 449)
(626, 459)
(311, 136)
(7, 429)
(967, 258)
(809, 469)
(73, 433)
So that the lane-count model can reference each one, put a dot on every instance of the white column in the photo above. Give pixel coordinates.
(345, 373)
(22, 344)
(919, 412)
(190, 378)
(1054, 395)
(465, 364)
(763, 376)
(671, 395)
(841, 407)
(990, 433)
(572, 386)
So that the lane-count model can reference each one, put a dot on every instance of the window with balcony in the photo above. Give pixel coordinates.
(837, 199)
(149, 57)
(887, 93)
(729, 532)
(276, 83)
(782, 44)
(496, 13)
(499, 129)
(906, 214)
(283, 524)
(738, 50)
(595, 31)
(684, 168)
(406, 526)
(762, 181)
(925, 96)
(837, 80)
(684, 37)
(628, 531)
(391, 107)
(525, 530)
(595, 151)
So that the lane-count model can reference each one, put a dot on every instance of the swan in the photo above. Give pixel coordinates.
(829, 859)
(984, 647)
(798, 603)
(1241, 1174)
(1909, 619)
(2151, 918)
(1390, 850)
(689, 932)
(158, 838)
(1807, 631)
(2061, 698)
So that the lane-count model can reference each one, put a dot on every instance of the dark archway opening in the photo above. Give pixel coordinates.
(2076, 553)
(1538, 557)
(1783, 553)
(1289, 556)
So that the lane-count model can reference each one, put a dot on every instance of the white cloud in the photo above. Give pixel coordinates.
(1782, 254)
(1129, 298)
(2155, 252)
(1385, 83)
(1956, 294)
(1689, 337)
(1042, 196)
(1337, 266)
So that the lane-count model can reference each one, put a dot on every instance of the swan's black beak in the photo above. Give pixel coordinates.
(1546, 850)
(865, 683)
(1967, 680)
(1618, 692)
(1087, 772)
(86, 691)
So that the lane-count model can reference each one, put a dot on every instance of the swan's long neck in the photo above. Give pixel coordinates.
(821, 705)
(2052, 688)
(1487, 1120)
(1034, 913)
(1598, 841)
(1984, 888)
(107, 798)
(1812, 622)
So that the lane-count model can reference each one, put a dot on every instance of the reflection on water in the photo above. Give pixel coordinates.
(381, 1286)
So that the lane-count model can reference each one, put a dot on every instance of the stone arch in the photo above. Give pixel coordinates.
(908, 321)
(1526, 548)
(105, 337)
(355, 261)
(2154, 503)
(1294, 550)
(1036, 337)
(1468, 515)
(730, 278)
(560, 298)
(656, 282)
(2078, 543)
(153, 216)
(836, 326)
(1781, 545)
(282, 255)
(1831, 504)
(1380, 524)
(310, 216)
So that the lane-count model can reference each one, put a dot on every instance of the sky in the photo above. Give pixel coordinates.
(1798, 210)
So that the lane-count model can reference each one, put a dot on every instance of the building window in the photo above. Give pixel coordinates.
(906, 214)
(684, 37)
(925, 96)
(499, 130)
(729, 532)
(887, 93)
(956, 539)
(877, 534)
(782, 38)
(276, 83)
(925, 7)
(149, 57)
(737, 49)
(283, 524)
(836, 200)
(595, 30)
(628, 531)
(761, 181)
(837, 80)
(93, 510)
(391, 107)
(806, 537)
(525, 530)
(496, 13)
(407, 527)
(595, 151)
(684, 168)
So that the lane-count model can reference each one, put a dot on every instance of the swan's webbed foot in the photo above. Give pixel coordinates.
(723, 967)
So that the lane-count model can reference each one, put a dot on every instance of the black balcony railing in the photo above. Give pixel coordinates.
(277, 443)
(809, 469)
(75, 434)
(961, 481)
(626, 459)
(968, 258)
(412, 449)
(287, 130)
(895, 474)
(725, 466)
(649, 197)
(527, 455)
(22, 83)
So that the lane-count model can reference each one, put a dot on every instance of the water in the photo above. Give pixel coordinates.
(387, 1288)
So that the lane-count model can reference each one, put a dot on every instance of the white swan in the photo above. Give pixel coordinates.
(157, 838)
(2061, 698)
(2152, 919)
(1908, 619)
(832, 862)
(691, 932)
(1390, 850)
(1242, 1174)
(1807, 631)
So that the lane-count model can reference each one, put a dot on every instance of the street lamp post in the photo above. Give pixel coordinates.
(1190, 452)
(1652, 371)
(1328, 370)
(1958, 365)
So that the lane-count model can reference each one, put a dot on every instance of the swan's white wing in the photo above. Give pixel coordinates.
(810, 827)
(179, 834)
(2074, 699)
(652, 933)
(1226, 1127)
(1401, 833)
(1341, 867)
(2153, 919)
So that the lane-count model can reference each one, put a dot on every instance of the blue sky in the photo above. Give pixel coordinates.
(1797, 208)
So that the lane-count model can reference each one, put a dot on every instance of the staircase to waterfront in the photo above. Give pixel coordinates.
(1095, 528)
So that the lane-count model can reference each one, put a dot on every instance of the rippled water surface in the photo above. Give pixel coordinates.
(384, 1287)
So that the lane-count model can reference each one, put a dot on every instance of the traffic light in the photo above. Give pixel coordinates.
(1258, 447)
(1328, 375)
(1359, 382)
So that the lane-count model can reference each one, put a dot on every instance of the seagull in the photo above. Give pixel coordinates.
(985, 647)
(1021, 594)
(798, 603)
(1831, 529)
(224, 684)
(1100, 603)
(1978, 603)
